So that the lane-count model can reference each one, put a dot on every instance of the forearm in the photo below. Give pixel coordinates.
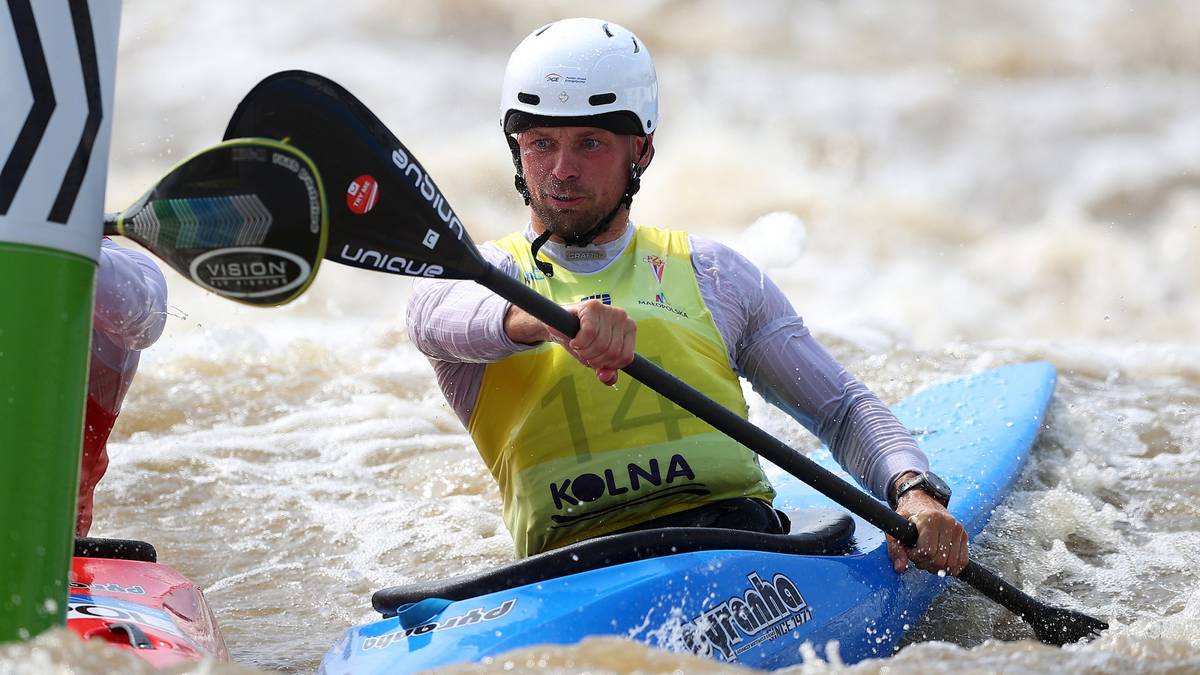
(794, 372)
(523, 328)
(131, 298)
(461, 321)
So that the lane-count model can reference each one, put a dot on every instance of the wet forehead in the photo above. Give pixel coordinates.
(567, 133)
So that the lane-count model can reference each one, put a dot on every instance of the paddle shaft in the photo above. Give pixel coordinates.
(760, 442)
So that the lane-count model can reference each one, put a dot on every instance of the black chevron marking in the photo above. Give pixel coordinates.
(43, 102)
(77, 170)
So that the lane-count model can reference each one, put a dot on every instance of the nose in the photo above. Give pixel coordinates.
(565, 165)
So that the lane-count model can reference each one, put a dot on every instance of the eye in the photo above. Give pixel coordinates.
(591, 144)
(541, 144)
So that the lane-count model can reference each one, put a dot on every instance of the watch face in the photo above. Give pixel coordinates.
(938, 484)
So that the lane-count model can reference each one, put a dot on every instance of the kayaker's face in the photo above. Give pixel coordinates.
(576, 176)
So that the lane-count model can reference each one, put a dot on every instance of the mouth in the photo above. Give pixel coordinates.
(563, 200)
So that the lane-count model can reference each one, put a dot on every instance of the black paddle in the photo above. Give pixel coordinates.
(245, 219)
(410, 229)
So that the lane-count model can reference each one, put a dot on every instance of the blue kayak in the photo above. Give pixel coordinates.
(747, 598)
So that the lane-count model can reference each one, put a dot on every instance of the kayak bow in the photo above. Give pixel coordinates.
(120, 594)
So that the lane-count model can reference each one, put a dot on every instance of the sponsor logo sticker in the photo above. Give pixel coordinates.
(605, 298)
(660, 302)
(377, 260)
(431, 239)
(109, 588)
(643, 484)
(474, 616)
(362, 194)
(114, 610)
(249, 271)
(657, 266)
(767, 610)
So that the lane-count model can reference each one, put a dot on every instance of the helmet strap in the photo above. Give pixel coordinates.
(519, 179)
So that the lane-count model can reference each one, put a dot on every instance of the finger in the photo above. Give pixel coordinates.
(963, 549)
(942, 549)
(587, 330)
(922, 553)
(628, 344)
(898, 555)
(607, 376)
(616, 348)
(601, 337)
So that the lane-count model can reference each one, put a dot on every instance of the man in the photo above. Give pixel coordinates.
(129, 314)
(577, 456)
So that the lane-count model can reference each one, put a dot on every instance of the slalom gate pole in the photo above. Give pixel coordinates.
(57, 66)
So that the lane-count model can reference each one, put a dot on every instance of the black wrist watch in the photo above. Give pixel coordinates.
(929, 483)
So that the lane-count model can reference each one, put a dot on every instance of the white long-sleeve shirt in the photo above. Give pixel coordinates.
(129, 314)
(459, 325)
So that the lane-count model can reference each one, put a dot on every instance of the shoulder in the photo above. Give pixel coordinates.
(712, 258)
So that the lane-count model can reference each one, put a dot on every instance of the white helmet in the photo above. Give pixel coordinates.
(580, 72)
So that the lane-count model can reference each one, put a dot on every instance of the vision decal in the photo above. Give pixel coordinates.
(250, 271)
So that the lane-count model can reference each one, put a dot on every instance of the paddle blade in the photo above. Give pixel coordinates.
(1052, 625)
(245, 219)
(389, 216)
(1059, 626)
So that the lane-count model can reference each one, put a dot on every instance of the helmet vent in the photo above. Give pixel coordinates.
(602, 99)
(543, 29)
(636, 48)
(607, 31)
(530, 99)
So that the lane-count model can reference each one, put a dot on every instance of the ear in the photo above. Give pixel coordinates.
(643, 148)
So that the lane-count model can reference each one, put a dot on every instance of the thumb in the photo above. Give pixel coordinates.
(607, 376)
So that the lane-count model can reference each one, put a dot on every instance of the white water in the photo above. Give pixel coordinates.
(939, 187)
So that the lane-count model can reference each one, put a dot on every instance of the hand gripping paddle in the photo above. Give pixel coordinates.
(245, 219)
(410, 229)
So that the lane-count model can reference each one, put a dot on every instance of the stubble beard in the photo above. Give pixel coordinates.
(566, 224)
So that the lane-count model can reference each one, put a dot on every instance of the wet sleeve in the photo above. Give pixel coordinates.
(131, 297)
(771, 347)
(461, 321)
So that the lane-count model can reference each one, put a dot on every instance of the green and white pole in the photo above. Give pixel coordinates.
(57, 65)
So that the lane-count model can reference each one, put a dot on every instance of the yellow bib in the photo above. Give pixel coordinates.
(576, 459)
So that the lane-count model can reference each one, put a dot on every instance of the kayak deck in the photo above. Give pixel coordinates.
(814, 532)
(120, 594)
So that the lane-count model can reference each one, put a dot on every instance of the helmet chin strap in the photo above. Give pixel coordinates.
(580, 240)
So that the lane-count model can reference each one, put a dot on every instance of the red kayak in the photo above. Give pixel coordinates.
(119, 593)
